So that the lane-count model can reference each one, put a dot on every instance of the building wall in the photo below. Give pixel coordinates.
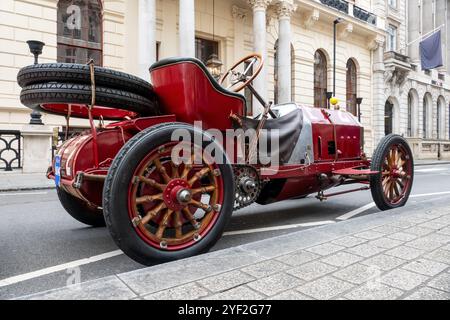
(21, 20)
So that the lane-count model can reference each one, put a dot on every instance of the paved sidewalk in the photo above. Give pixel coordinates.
(430, 162)
(388, 255)
(13, 181)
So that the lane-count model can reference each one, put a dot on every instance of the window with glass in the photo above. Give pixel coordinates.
(79, 31)
(392, 3)
(351, 87)
(410, 106)
(388, 118)
(320, 80)
(438, 120)
(424, 118)
(392, 38)
(205, 48)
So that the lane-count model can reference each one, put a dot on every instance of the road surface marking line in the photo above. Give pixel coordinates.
(61, 267)
(431, 170)
(277, 228)
(23, 194)
(355, 212)
(430, 194)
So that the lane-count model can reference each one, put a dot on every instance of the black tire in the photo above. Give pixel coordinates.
(80, 211)
(34, 95)
(376, 181)
(115, 200)
(80, 73)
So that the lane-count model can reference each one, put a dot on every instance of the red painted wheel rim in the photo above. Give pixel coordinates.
(159, 213)
(396, 174)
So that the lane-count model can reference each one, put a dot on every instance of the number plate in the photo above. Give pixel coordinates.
(58, 171)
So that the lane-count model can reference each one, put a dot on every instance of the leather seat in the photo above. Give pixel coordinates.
(201, 65)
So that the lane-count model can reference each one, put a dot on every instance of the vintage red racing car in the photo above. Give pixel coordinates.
(157, 209)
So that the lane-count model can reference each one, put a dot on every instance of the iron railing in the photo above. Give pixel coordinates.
(364, 15)
(340, 5)
(10, 150)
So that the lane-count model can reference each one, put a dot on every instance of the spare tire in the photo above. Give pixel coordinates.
(34, 95)
(80, 73)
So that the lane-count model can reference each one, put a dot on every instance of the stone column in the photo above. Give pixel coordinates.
(260, 45)
(284, 11)
(187, 28)
(147, 38)
(37, 146)
(379, 99)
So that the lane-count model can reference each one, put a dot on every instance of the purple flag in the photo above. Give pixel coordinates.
(431, 52)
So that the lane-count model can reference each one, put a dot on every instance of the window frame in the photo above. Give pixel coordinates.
(352, 95)
(392, 38)
(320, 91)
(68, 42)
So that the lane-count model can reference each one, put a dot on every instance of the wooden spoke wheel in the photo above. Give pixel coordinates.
(172, 206)
(394, 160)
(160, 209)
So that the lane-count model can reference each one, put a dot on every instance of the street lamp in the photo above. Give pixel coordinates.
(36, 50)
(359, 102)
(335, 23)
(214, 66)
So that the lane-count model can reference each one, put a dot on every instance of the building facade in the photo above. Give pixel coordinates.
(294, 36)
(416, 101)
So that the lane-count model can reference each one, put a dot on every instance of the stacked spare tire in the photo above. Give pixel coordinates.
(63, 84)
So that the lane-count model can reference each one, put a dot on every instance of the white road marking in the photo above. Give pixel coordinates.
(358, 211)
(355, 212)
(430, 170)
(22, 194)
(277, 228)
(430, 194)
(61, 267)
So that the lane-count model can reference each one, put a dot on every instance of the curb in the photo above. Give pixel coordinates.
(26, 189)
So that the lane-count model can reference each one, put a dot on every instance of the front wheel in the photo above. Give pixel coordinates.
(394, 160)
(158, 209)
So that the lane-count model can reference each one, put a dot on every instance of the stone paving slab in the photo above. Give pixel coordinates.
(387, 255)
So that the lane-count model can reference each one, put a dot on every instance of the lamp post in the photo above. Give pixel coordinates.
(329, 96)
(214, 64)
(36, 49)
(359, 102)
(335, 23)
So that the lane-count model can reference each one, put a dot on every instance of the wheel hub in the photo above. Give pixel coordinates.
(177, 194)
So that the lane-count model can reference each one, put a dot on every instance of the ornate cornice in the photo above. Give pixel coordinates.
(311, 18)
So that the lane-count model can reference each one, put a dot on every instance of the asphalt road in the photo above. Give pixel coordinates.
(36, 233)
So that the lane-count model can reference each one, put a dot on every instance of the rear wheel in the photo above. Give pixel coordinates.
(80, 210)
(394, 160)
(158, 210)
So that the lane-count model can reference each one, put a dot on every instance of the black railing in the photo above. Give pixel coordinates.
(364, 15)
(340, 5)
(10, 150)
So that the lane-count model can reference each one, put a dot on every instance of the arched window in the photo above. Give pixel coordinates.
(410, 108)
(440, 118)
(388, 118)
(425, 115)
(79, 31)
(351, 87)
(320, 80)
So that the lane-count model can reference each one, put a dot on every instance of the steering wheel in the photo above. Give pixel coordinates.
(238, 80)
